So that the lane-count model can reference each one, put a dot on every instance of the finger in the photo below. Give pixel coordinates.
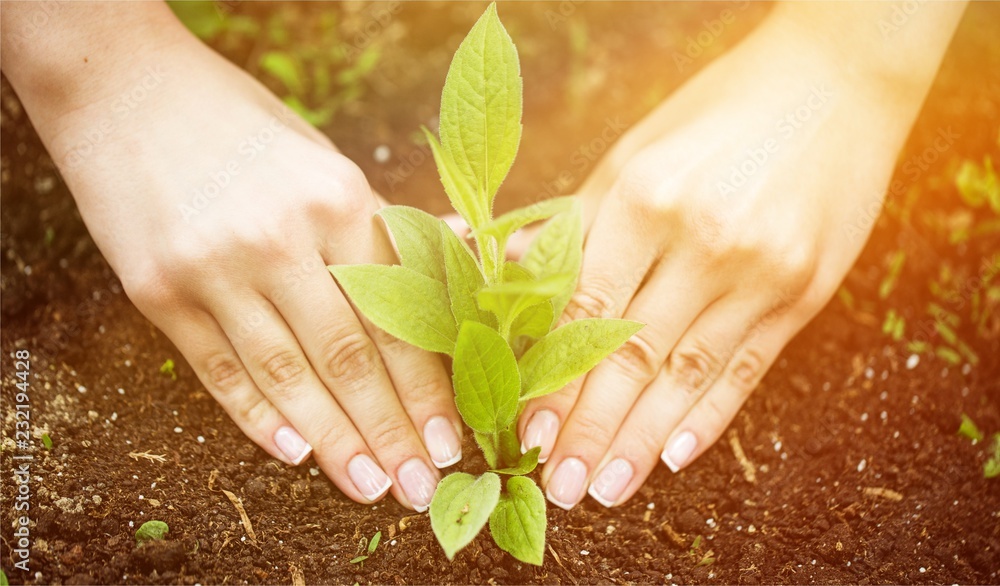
(606, 286)
(699, 359)
(211, 356)
(275, 361)
(347, 362)
(668, 304)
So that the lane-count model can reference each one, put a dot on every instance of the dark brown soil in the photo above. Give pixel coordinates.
(858, 474)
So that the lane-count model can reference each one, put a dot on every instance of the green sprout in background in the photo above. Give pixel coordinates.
(494, 317)
(151, 531)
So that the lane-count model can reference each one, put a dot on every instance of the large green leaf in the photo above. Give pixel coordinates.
(485, 375)
(418, 239)
(558, 249)
(465, 279)
(518, 521)
(401, 301)
(460, 507)
(502, 227)
(481, 106)
(569, 352)
(461, 193)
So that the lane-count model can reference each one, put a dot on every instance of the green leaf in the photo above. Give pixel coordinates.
(151, 531)
(461, 506)
(508, 300)
(418, 239)
(991, 468)
(3, 578)
(969, 429)
(518, 522)
(460, 193)
(373, 544)
(481, 107)
(464, 280)
(401, 301)
(525, 465)
(486, 379)
(533, 322)
(502, 227)
(510, 446)
(568, 352)
(487, 446)
(358, 559)
(46, 441)
(558, 249)
(286, 68)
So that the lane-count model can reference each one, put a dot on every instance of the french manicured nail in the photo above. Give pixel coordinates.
(679, 450)
(442, 442)
(367, 477)
(609, 485)
(541, 432)
(292, 445)
(418, 482)
(565, 488)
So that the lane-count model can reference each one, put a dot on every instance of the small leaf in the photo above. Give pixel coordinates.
(501, 228)
(460, 507)
(568, 352)
(151, 531)
(558, 249)
(508, 300)
(510, 446)
(408, 305)
(518, 522)
(461, 194)
(46, 441)
(464, 280)
(359, 559)
(991, 468)
(486, 379)
(488, 448)
(167, 368)
(373, 544)
(969, 429)
(533, 322)
(418, 239)
(481, 107)
(285, 67)
(525, 465)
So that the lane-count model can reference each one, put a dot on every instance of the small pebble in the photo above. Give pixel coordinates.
(869, 373)
(651, 506)
(81, 388)
(912, 361)
(178, 429)
(201, 439)
(862, 465)
(382, 154)
(864, 416)
(966, 368)
(922, 570)
(777, 446)
(883, 415)
(121, 391)
(314, 471)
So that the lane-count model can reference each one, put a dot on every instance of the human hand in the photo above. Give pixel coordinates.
(724, 221)
(219, 209)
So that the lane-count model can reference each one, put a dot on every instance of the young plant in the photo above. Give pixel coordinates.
(494, 317)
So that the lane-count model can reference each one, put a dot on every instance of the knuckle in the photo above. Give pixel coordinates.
(350, 359)
(747, 369)
(637, 358)
(253, 412)
(149, 288)
(594, 299)
(328, 438)
(223, 373)
(283, 368)
(694, 368)
(593, 428)
(351, 195)
(391, 435)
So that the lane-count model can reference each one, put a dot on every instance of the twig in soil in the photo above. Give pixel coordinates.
(147, 456)
(672, 535)
(886, 493)
(243, 514)
(298, 578)
(749, 470)
(555, 556)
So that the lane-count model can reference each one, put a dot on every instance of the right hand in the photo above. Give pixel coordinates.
(238, 279)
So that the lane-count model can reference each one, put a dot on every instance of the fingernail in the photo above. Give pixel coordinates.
(565, 488)
(367, 477)
(418, 482)
(607, 488)
(292, 445)
(442, 442)
(541, 432)
(679, 450)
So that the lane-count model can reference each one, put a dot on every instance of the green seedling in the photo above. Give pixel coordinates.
(493, 317)
(969, 429)
(372, 546)
(991, 469)
(167, 368)
(46, 441)
(151, 531)
(3, 579)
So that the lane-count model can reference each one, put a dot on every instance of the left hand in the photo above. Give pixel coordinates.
(724, 222)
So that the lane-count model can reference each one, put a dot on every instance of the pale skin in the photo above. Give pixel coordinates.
(724, 260)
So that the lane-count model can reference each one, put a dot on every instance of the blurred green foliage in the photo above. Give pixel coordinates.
(308, 61)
